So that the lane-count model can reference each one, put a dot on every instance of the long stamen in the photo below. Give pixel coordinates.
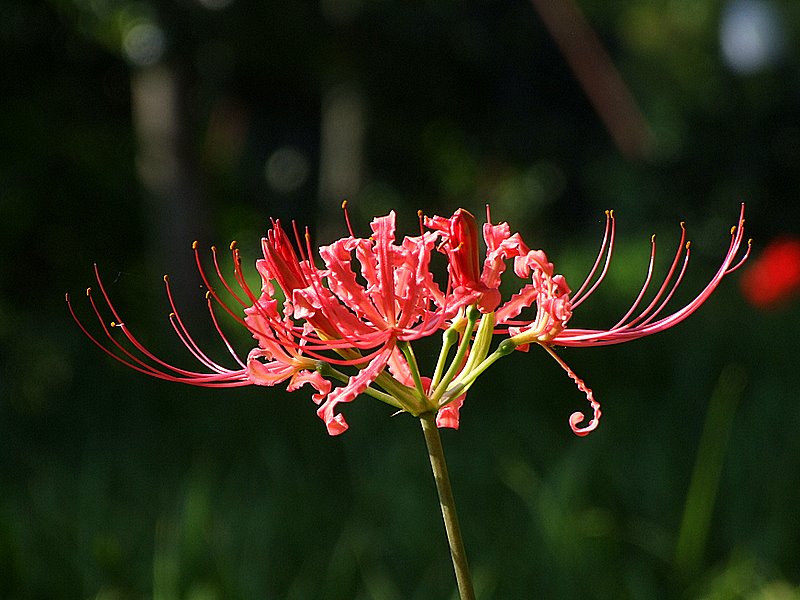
(239, 274)
(170, 373)
(186, 338)
(668, 297)
(742, 260)
(222, 278)
(222, 335)
(347, 219)
(608, 239)
(667, 279)
(648, 278)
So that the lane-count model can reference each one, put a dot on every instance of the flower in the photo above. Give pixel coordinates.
(360, 311)
(554, 302)
(352, 320)
(775, 276)
(391, 299)
(459, 235)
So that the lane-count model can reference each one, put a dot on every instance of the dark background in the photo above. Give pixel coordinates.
(130, 129)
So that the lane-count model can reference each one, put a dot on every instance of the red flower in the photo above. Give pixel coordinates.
(554, 303)
(352, 320)
(459, 236)
(774, 277)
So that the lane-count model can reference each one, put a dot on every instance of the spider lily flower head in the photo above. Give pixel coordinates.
(351, 321)
(372, 296)
(554, 303)
(311, 325)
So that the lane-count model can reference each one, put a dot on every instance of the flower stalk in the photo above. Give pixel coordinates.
(448, 506)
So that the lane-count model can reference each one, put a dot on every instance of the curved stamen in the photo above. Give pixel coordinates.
(186, 338)
(668, 297)
(648, 278)
(608, 238)
(667, 279)
(226, 378)
(347, 219)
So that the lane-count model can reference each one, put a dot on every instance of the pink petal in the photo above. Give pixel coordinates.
(355, 386)
(322, 385)
(268, 373)
(448, 416)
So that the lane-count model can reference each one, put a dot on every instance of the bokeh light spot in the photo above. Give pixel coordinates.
(286, 169)
(751, 35)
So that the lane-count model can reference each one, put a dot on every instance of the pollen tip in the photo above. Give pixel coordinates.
(195, 244)
(688, 245)
(208, 294)
(233, 245)
(653, 238)
(344, 204)
(213, 248)
(611, 213)
(166, 278)
(88, 291)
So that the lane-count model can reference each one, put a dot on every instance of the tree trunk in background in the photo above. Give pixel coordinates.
(176, 212)
(341, 155)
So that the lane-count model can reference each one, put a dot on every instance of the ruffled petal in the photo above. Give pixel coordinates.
(448, 416)
(335, 422)
(322, 385)
(270, 372)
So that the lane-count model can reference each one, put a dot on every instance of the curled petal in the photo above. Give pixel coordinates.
(322, 385)
(271, 372)
(578, 417)
(356, 385)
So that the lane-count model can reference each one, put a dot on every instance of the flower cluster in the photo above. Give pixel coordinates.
(346, 326)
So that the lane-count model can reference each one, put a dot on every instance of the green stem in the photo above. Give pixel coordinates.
(448, 505)
(462, 384)
(472, 318)
(449, 338)
(408, 352)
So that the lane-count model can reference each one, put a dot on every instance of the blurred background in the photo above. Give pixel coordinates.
(129, 128)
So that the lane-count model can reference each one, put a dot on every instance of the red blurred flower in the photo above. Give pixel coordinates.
(774, 277)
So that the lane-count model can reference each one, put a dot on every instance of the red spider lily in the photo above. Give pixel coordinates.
(391, 298)
(775, 276)
(373, 296)
(554, 303)
(332, 317)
